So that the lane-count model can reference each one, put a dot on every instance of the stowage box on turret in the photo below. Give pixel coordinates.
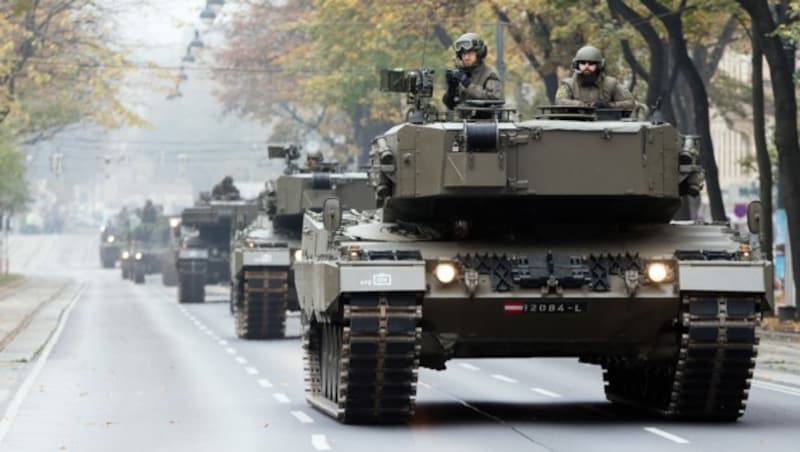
(546, 237)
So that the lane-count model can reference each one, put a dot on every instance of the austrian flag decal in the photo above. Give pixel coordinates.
(513, 307)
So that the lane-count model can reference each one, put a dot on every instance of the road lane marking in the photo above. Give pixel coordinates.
(251, 370)
(469, 366)
(281, 397)
(503, 378)
(25, 387)
(231, 350)
(424, 385)
(241, 360)
(547, 393)
(666, 435)
(264, 382)
(320, 442)
(777, 388)
(302, 417)
(223, 342)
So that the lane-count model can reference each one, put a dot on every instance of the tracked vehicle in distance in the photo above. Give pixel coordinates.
(262, 284)
(204, 254)
(546, 237)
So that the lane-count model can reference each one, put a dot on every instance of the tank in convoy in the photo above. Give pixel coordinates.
(203, 256)
(262, 278)
(549, 237)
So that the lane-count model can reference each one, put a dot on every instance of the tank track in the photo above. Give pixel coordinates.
(362, 367)
(710, 377)
(261, 311)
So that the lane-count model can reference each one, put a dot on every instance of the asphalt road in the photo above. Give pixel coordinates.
(129, 369)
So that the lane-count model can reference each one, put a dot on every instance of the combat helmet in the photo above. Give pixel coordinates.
(470, 41)
(591, 54)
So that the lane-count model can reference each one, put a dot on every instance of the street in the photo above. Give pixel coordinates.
(129, 369)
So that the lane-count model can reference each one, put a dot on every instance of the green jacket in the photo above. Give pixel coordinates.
(608, 89)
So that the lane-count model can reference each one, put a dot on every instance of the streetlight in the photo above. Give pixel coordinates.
(208, 15)
(196, 42)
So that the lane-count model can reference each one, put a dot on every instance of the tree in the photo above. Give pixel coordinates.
(786, 136)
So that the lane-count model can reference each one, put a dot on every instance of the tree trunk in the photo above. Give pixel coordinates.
(786, 137)
(550, 85)
(674, 25)
(762, 156)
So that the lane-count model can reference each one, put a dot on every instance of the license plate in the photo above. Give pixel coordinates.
(545, 307)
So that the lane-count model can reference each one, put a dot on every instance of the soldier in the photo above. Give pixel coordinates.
(314, 160)
(474, 78)
(149, 212)
(590, 87)
(225, 190)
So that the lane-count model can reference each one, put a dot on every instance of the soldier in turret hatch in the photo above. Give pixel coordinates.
(225, 190)
(474, 78)
(589, 86)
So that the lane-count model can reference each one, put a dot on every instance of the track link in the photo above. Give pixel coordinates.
(261, 310)
(710, 377)
(362, 367)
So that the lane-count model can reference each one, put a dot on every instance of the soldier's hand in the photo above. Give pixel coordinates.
(463, 78)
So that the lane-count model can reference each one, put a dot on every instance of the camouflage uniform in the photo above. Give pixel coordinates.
(483, 80)
(606, 89)
(225, 190)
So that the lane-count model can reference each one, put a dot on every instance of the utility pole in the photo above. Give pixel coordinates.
(501, 48)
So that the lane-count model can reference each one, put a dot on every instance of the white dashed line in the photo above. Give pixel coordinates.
(547, 393)
(320, 442)
(503, 378)
(230, 350)
(281, 397)
(669, 436)
(264, 383)
(777, 388)
(241, 360)
(302, 417)
(469, 366)
(251, 370)
(223, 342)
(424, 385)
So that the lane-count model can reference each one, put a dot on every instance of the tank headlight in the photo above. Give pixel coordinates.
(657, 272)
(445, 272)
(174, 222)
(251, 244)
(138, 256)
(111, 239)
(126, 255)
(298, 255)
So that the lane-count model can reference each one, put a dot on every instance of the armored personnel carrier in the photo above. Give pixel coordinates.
(203, 257)
(545, 237)
(262, 283)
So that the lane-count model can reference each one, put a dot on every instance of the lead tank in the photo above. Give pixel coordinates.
(262, 278)
(549, 237)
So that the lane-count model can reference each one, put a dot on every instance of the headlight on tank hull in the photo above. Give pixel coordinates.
(445, 272)
(110, 239)
(138, 256)
(659, 272)
(298, 255)
(126, 255)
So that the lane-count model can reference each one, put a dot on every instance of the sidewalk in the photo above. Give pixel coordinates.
(21, 301)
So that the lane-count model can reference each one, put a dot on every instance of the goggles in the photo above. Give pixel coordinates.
(593, 63)
(471, 44)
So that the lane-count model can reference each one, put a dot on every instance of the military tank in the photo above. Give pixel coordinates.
(262, 283)
(204, 254)
(550, 237)
(110, 247)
